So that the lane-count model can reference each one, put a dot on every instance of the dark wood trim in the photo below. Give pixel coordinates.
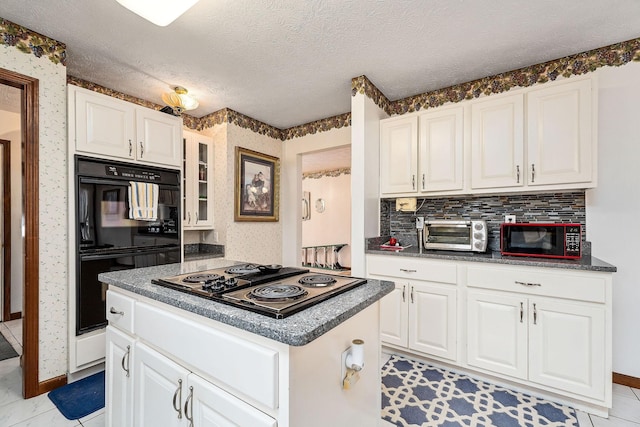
(15, 316)
(626, 380)
(30, 155)
(6, 228)
(52, 383)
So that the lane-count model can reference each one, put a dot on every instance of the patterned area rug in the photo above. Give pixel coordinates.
(416, 394)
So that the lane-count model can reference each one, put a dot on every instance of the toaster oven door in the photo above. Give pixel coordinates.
(448, 236)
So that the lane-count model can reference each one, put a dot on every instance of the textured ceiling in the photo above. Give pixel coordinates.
(327, 160)
(289, 62)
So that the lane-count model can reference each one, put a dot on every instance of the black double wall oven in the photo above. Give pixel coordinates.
(108, 240)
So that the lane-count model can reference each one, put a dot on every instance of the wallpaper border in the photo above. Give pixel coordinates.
(329, 173)
(613, 55)
(30, 42)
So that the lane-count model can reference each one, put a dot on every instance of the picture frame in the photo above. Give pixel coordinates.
(257, 186)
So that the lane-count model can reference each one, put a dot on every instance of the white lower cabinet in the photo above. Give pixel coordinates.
(545, 328)
(419, 315)
(119, 384)
(547, 341)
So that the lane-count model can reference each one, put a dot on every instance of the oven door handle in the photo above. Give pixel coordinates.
(131, 252)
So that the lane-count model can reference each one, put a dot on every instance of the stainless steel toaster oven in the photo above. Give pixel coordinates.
(453, 235)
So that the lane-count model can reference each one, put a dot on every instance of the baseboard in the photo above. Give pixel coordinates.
(52, 383)
(627, 380)
(16, 315)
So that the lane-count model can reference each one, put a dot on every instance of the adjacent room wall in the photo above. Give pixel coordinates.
(613, 207)
(10, 130)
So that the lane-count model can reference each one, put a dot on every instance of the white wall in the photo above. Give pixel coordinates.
(333, 226)
(10, 130)
(365, 181)
(53, 201)
(291, 185)
(613, 207)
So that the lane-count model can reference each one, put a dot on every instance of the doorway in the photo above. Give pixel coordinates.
(9, 311)
(29, 88)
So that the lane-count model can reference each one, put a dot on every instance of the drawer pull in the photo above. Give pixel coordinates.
(114, 311)
(177, 398)
(126, 357)
(527, 283)
(188, 405)
(408, 270)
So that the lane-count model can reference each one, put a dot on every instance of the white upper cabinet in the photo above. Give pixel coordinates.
(198, 181)
(559, 137)
(532, 139)
(399, 155)
(497, 141)
(106, 126)
(441, 150)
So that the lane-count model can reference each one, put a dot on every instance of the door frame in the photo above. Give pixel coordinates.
(7, 315)
(31, 385)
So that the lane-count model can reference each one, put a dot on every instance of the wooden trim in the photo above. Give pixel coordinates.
(15, 316)
(30, 155)
(626, 380)
(6, 228)
(51, 384)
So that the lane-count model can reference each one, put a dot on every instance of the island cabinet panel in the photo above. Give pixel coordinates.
(119, 384)
(243, 366)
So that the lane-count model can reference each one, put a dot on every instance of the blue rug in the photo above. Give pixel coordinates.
(80, 398)
(416, 394)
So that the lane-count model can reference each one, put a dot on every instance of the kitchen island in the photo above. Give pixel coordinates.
(174, 357)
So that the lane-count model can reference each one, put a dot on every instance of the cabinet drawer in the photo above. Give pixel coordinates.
(120, 311)
(233, 363)
(412, 268)
(562, 285)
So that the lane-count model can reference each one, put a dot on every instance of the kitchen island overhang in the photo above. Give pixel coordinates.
(174, 355)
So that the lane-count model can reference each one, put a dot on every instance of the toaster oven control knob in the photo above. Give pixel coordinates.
(478, 245)
(477, 236)
(479, 226)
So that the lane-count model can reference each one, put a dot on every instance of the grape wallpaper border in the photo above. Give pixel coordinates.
(614, 55)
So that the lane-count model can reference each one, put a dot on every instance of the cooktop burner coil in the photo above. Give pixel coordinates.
(243, 269)
(277, 292)
(317, 280)
(201, 278)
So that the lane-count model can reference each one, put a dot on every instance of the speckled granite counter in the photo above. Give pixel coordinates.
(195, 251)
(297, 330)
(589, 263)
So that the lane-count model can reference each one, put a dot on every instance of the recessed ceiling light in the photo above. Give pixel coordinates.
(160, 12)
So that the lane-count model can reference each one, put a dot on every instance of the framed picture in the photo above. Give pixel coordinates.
(257, 186)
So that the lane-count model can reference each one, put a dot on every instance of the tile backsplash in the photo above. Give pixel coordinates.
(564, 207)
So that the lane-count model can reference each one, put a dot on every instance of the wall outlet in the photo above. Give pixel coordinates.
(510, 218)
(419, 222)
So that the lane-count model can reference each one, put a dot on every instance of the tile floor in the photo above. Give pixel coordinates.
(41, 412)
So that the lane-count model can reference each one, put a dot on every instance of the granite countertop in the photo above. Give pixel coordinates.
(195, 251)
(587, 262)
(297, 330)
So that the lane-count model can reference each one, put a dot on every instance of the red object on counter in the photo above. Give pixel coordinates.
(393, 241)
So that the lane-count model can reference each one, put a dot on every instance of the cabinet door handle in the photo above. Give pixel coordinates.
(125, 357)
(407, 270)
(141, 149)
(411, 294)
(517, 174)
(533, 172)
(188, 407)
(535, 314)
(177, 398)
(114, 311)
(521, 312)
(197, 218)
(423, 182)
(404, 288)
(527, 283)
(130, 148)
(188, 217)
(413, 182)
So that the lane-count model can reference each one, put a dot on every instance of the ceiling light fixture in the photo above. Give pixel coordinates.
(160, 12)
(180, 100)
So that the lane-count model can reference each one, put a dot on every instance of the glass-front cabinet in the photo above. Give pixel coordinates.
(197, 212)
